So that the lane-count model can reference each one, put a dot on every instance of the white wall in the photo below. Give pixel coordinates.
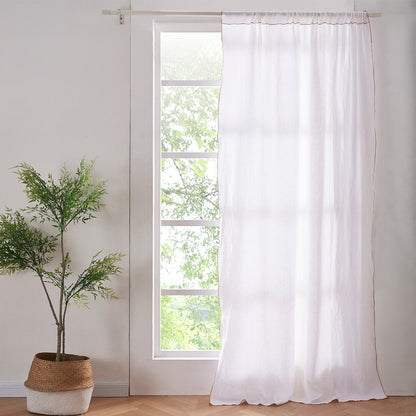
(64, 93)
(394, 37)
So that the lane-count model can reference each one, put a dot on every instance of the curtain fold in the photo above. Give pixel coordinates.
(296, 183)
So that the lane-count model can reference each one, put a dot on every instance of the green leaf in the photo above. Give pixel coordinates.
(92, 279)
(74, 197)
(22, 247)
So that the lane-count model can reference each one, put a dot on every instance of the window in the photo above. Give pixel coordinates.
(186, 218)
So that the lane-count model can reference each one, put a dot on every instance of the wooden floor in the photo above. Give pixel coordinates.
(199, 406)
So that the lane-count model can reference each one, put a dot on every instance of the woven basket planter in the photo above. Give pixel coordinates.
(59, 388)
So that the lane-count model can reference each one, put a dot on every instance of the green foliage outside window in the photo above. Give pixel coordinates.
(190, 323)
(189, 189)
(189, 257)
(189, 119)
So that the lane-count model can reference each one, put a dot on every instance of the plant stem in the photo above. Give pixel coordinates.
(63, 330)
(49, 299)
(61, 298)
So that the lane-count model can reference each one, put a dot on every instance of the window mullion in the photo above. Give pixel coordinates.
(189, 155)
(189, 292)
(190, 83)
(190, 223)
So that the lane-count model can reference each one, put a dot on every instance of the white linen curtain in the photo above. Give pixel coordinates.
(296, 166)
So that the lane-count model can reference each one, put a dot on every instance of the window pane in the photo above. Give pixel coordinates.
(190, 323)
(191, 56)
(189, 257)
(189, 189)
(189, 119)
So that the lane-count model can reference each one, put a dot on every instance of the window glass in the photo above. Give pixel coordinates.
(188, 93)
(190, 323)
(189, 257)
(191, 56)
(189, 189)
(189, 119)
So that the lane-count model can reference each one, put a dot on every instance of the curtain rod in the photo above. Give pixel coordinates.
(123, 12)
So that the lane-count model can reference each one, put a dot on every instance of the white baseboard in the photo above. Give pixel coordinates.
(111, 389)
(101, 389)
(12, 390)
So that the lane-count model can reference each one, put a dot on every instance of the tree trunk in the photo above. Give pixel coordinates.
(63, 331)
(61, 299)
(58, 343)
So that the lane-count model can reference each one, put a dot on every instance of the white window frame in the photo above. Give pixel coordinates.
(159, 27)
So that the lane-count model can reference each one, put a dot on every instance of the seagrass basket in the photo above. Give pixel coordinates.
(59, 387)
(46, 374)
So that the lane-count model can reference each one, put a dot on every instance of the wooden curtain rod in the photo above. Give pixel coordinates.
(123, 12)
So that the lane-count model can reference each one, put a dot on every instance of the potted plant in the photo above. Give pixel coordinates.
(58, 383)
